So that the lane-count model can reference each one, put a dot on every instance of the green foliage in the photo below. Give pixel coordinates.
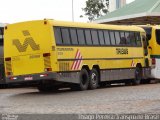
(95, 8)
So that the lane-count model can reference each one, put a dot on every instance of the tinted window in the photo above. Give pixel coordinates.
(128, 41)
(74, 39)
(81, 38)
(132, 38)
(107, 37)
(148, 31)
(94, 37)
(158, 36)
(101, 37)
(65, 36)
(1, 30)
(58, 37)
(122, 38)
(112, 38)
(117, 36)
(1, 36)
(88, 37)
(138, 39)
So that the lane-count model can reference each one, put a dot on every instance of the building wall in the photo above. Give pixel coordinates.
(115, 4)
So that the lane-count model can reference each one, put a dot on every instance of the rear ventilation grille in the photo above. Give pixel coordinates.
(63, 66)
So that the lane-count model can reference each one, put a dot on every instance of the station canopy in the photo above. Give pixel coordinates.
(139, 12)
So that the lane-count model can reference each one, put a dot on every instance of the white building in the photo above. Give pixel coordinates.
(115, 4)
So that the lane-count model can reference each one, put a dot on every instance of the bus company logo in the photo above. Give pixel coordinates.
(29, 41)
(77, 61)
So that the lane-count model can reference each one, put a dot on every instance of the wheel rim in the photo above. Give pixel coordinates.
(94, 79)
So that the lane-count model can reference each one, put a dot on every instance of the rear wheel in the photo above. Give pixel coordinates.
(94, 79)
(138, 76)
(83, 80)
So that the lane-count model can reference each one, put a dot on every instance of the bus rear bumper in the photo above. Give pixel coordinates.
(72, 77)
(31, 77)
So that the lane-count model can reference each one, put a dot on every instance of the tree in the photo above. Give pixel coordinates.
(95, 8)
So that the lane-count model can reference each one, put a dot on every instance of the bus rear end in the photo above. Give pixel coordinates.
(27, 53)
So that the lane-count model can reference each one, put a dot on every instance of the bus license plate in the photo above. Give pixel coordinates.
(28, 78)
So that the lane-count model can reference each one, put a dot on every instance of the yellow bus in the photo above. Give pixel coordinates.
(83, 55)
(153, 37)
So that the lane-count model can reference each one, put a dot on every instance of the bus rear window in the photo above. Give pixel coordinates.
(148, 31)
(158, 36)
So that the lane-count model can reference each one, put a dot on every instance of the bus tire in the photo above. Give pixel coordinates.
(94, 79)
(83, 79)
(138, 76)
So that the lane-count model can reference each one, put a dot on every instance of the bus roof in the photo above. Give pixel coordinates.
(84, 25)
(153, 26)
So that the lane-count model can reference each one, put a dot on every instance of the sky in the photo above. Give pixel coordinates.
(22, 10)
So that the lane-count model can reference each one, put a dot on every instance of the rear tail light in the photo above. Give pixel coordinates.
(8, 59)
(48, 69)
(13, 78)
(9, 73)
(43, 75)
(46, 54)
(153, 61)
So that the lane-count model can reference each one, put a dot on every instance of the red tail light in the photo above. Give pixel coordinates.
(46, 54)
(48, 69)
(8, 59)
(153, 61)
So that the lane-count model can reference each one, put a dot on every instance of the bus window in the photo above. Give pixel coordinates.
(113, 42)
(1, 36)
(158, 36)
(148, 31)
(128, 41)
(88, 37)
(74, 38)
(132, 38)
(122, 38)
(138, 39)
(58, 37)
(101, 37)
(81, 38)
(117, 36)
(94, 37)
(107, 37)
(65, 36)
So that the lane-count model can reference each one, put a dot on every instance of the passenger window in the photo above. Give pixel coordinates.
(58, 37)
(122, 38)
(74, 38)
(128, 41)
(88, 37)
(94, 37)
(81, 38)
(113, 42)
(138, 39)
(132, 38)
(107, 37)
(65, 36)
(117, 36)
(101, 37)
